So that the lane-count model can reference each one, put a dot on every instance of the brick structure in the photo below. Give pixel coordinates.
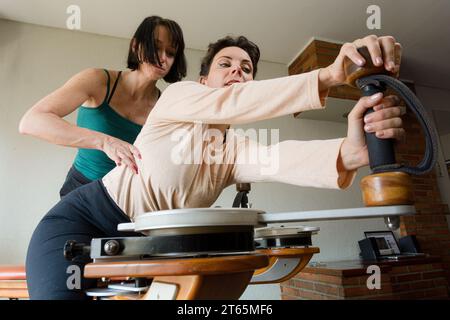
(414, 279)
(429, 225)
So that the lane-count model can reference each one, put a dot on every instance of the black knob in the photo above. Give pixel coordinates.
(72, 249)
(140, 282)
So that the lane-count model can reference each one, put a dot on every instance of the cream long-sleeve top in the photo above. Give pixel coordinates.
(187, 160)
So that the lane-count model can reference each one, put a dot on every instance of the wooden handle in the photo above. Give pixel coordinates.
(354, 72)
(387, 188)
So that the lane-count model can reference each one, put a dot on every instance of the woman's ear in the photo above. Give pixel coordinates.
(133, 45)
(137, 49)
(202, 80)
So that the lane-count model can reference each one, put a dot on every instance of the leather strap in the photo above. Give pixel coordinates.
(411, 101)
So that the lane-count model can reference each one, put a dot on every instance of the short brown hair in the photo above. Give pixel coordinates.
(240, 42)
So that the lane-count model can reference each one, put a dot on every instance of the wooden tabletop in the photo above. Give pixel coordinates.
(179, 266)
(288, 252)
(359, 267)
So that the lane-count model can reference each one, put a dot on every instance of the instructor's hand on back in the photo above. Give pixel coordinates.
(121, 152)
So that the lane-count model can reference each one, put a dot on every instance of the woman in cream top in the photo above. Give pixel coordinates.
(189, 156)
(183, 166)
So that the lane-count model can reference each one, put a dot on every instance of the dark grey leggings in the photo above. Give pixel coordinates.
(85, 213)
(74, 179)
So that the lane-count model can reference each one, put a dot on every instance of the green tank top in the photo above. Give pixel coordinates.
(92, 163)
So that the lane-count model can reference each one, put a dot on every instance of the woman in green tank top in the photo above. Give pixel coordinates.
(112, 106)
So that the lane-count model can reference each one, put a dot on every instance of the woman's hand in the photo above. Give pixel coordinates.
(121, 152)
(383, 51)
(385, 122)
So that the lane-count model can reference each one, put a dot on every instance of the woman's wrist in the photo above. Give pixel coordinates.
(326, 80)
(350, 159)
(101, 140)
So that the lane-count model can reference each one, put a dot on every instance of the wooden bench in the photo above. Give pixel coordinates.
(13, 284)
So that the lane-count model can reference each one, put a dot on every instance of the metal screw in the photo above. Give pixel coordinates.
(112, 247)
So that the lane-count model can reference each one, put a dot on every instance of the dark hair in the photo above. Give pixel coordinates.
(241, 42)
(143, 47)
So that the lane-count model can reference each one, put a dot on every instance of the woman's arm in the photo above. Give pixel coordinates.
(303, 163)
(321, 163)
(241, 102)
(260, 100)
(45, 119)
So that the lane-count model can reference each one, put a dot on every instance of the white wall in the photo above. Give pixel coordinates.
(36, 60)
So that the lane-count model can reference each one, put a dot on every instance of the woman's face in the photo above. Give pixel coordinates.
(166, 54)
(229, 65)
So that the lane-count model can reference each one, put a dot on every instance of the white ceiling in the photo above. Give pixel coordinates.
(280, 27)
